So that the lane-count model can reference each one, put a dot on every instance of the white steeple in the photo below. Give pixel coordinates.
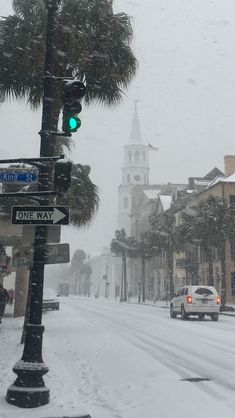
(135, 136)
(135, 171)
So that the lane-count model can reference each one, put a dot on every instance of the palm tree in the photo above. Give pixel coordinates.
(142, 250)
(77, 264)
(86, 272)
(120, 247)
(82, 196)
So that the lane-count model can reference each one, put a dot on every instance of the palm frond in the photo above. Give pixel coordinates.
(82, 196)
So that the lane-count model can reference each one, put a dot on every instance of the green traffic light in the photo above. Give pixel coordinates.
(74, 123)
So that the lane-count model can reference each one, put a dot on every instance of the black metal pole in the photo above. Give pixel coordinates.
(29, 390)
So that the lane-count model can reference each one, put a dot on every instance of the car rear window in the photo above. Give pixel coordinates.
(203, 291)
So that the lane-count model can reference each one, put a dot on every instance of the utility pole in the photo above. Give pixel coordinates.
(29, 390)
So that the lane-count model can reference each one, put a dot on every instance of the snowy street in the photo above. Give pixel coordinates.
(121, 360)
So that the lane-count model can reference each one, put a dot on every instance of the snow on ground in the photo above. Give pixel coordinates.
(120, 360)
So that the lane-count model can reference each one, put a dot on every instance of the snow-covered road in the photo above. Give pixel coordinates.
(120, 360)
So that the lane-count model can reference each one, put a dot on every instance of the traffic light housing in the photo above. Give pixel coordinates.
(62, 176)
(73, 92)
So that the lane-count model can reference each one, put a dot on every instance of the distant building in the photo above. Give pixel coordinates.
(105, 275)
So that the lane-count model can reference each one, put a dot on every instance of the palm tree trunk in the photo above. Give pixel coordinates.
(143, 278)
(223, 274)
(123, 296)
(124, 280)
(170, 271)
(210, 268)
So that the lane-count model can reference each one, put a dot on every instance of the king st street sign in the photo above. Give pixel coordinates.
(40, 215)
(18, 175)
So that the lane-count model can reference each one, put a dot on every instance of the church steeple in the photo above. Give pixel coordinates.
(135, 171)
(135, 136)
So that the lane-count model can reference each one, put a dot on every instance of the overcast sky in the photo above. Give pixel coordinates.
(186, 88)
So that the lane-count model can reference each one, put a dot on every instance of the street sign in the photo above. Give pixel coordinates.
(40, 215)
(18, 175)
(28, 234)
(48, 254)
(54, 254)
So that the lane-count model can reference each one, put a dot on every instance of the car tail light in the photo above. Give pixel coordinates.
(189, 299)
(218, 300)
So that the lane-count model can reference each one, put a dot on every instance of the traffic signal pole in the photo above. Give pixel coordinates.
(29, 390)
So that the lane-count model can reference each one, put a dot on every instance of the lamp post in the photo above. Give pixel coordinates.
(29, 390)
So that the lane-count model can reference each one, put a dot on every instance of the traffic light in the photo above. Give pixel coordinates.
(62, 175)
(74, 91)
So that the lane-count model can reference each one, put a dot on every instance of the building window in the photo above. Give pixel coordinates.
(137, 177)
(233, 282)
(232, 200)
(125, 202)
(233, 250)
(144, 157)
(128, 178)
(129, 156)
(137, 156)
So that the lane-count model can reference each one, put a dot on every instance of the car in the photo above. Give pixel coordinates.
(50, 300)
(63, 289)
(196, 300)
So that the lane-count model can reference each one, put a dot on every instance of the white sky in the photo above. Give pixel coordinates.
(185, 85)
(120, 360)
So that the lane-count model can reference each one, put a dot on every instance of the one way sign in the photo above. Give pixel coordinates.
(40, 215)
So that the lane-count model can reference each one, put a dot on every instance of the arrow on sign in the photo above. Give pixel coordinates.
(42, 215)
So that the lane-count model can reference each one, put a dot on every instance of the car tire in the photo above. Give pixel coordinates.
(183, 313)
(172, 313)
(215, 316)
(201, 316)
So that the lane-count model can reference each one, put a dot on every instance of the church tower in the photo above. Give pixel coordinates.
(135, 171)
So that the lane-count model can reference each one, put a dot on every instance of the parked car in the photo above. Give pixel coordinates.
(196, 300)
(50, 300)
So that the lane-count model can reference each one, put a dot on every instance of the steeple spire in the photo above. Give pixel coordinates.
(135, 136)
